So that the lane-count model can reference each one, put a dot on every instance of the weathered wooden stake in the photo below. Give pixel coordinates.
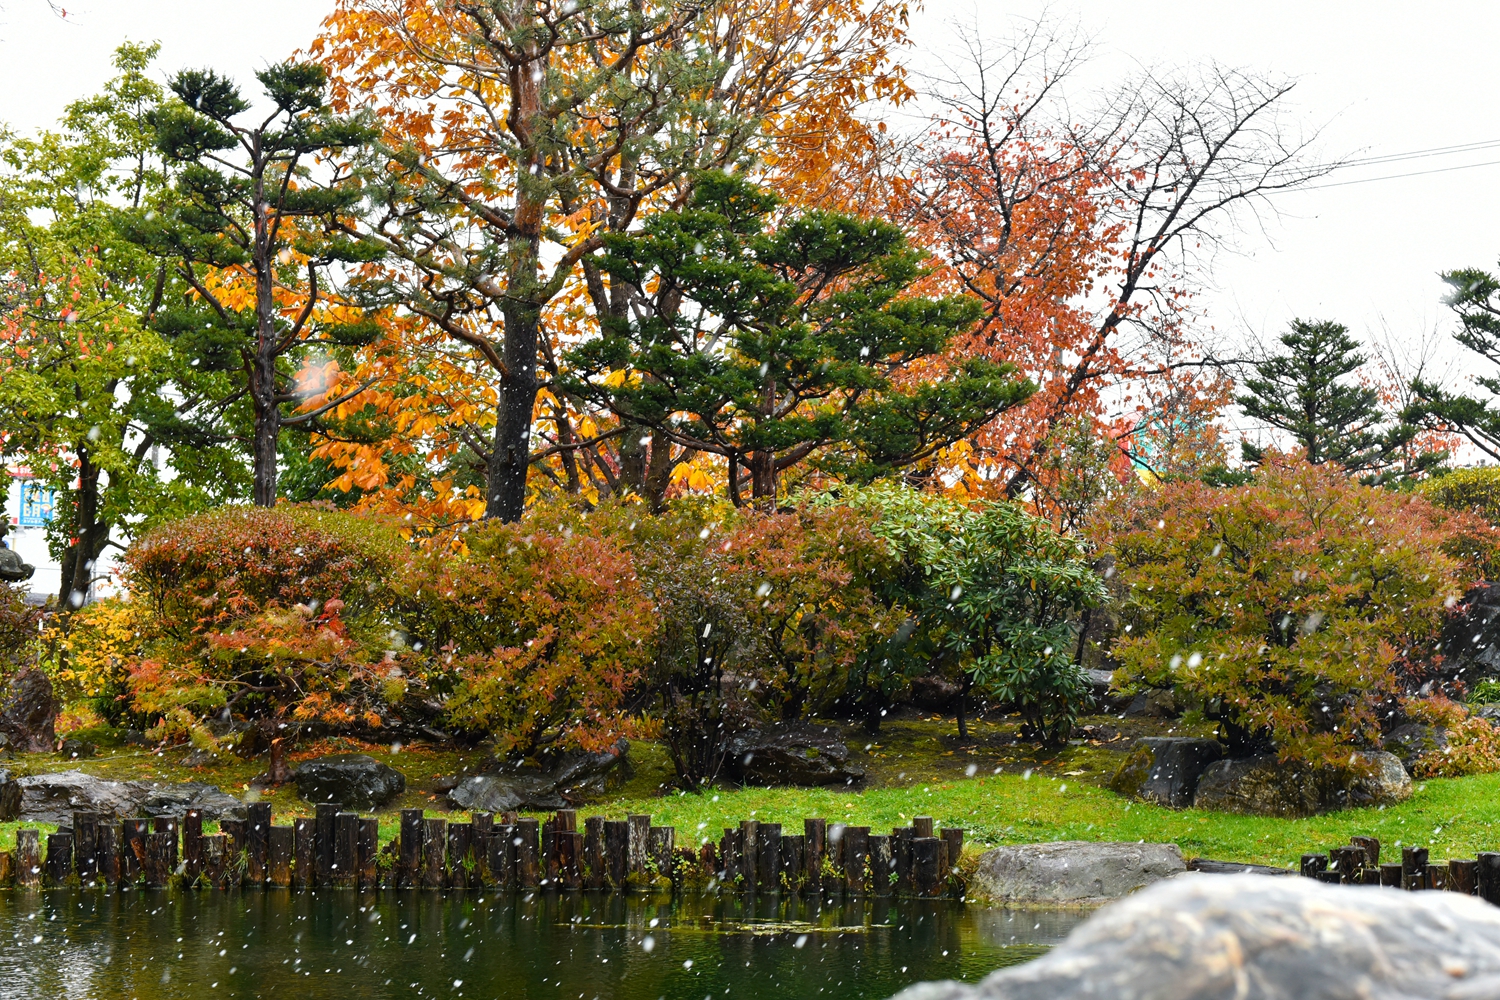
(86, 845)
(459, 859)
(59, 863)
(1314, 863)
(856, 858)
(660, 841)
(1390, 874)
(324, 818)
(901, 839)
(750, 854)
(922, 826)
(107, 852)
(280, 846)
(926, 863)
(257, 842)
(216, 859)
(593, 853)
(133, 833)
(1413, 868)
(410, 866)
(161, 853)
(616, 852)
(768, 856)
(816, 833)
(1463, 876)
(528, 869)
(369, 852)
(304, 851)
(434, 845)
(953, 837)
(569, 854)
(793, 874)
(1372, 849)
(192, 846)
(28, 857)
(640, 835)
(881, 865)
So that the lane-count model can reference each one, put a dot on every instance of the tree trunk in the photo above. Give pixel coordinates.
(89, 536)
(511, 457)
(263, 360)
(763, 478)
(267, 431)
(659, 472)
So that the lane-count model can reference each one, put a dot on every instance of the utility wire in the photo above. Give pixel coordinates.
(1392, 177)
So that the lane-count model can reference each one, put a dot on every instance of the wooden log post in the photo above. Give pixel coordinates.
(409, 867)
(815, 834)
(660, 843)
(161, 849)
(922, 826)
(304, 851)
(1348, 862)
(1413, 868)
(1314, 863)
(192, 846)
(953, 838)
(927, 865)
(569, 859)
(901, 838)
(749, 844)
(86, 845)
(257, 842)
(460, 854)
(133, 833)
(616, 853)
(793, 873)
(528, 861)
(1489, 876)
(1372, 850)
(502, 856)
(215, 860)
(434, 847)
(549, 851)
(768, 857)
(1437, 876)
(882, 865)
(107, 852)
(59, 862)
(324, 818)
(483, 824)
(1463, 876)
(346, 849)
(856, 859)
(279, 850)
(708, 862)
(833, 878)
(168, 827)
(1390, 875)
(234, 865)
(639, 845)
(28, 857)
(593, 853)
(731, 864)
(369, 852)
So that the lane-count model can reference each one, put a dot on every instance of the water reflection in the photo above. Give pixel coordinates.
(307, 946)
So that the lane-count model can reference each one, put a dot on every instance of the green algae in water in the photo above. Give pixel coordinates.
(358, 946)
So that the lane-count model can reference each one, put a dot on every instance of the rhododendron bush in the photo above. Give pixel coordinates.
(1289, 608)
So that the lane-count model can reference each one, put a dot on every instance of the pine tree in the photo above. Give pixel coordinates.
(1307, 393)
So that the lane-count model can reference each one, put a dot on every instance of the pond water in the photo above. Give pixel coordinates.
(152, 945)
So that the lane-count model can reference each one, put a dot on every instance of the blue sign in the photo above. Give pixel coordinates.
(36, 504)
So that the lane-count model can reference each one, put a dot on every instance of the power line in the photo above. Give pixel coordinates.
(1393, 177)
(1422, 153)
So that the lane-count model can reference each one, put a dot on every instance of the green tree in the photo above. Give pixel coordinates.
(777, 346)
(94, 401)
(1307, 393)
(259, 220)
(1475, 297)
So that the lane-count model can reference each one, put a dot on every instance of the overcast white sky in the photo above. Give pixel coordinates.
(1385, 77)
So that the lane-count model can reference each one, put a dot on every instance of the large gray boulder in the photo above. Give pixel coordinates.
(350, 780)
(53, 798)
(1253, 937)
(28, 712)
(559, 782)
(794, 753)
(1073, 872)
(1264, 786)
(1166, 769)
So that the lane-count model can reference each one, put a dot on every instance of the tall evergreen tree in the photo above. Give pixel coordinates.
(777, 346)
(258, 223)
(1306, 392)
(1475, 296)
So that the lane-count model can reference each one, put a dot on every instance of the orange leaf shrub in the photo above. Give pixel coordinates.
(1287, 607)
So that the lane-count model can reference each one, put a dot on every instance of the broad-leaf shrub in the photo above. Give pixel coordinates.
(546, 634)
(267, 612)
(1285, 606)
(19, 623)
(991, 586)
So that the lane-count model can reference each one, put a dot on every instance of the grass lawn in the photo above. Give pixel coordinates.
(1002, 791)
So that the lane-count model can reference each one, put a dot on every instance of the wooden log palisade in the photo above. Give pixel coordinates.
(337, 849)
(1359, 864)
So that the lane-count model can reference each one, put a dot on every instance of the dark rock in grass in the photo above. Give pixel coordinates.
(53, 798)
(1264, 786)
(1213, 937)
(558, 781)
(74, 749)
(1166, 769)
(28, 712)
(1071, 873)
(350, 780)
(1157, 703)
(1101, 690)
(1471, 636)
(933, 693)
(1413, 741)
(10, 796)
(791, 754)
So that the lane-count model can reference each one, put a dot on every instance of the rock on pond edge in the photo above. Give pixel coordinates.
(1071, 872)
(1206, 937)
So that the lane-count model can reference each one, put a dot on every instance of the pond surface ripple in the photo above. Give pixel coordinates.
(83, 945)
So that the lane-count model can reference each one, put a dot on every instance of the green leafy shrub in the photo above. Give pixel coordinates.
(19, 623)
(991, 588)
(1286, 606)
